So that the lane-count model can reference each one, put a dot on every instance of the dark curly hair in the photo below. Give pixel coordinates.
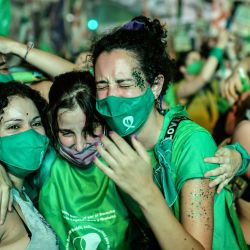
(11, 89)
(148, 43)
(69, 90)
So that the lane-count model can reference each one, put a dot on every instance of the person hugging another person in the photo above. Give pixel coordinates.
(132, 72)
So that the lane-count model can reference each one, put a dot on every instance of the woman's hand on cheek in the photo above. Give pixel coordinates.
(130, 168)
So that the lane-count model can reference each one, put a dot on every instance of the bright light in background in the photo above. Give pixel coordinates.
(93, 24)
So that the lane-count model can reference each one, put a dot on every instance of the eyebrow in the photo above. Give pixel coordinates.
(13, 120)
(19, 120)
(120, 79)
(37, 117)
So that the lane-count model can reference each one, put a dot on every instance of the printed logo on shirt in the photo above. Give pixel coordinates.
(87, 237)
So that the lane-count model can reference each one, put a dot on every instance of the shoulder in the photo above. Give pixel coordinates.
(242, 134)
(243, 126)
(190, 132)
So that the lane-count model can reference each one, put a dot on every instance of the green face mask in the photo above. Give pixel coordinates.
(195, 67)
(126, 115)
(23, 153)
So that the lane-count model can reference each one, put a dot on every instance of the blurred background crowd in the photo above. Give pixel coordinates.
(66, 27)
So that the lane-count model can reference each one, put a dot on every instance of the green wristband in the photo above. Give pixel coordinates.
(217, 53)
(244, 154)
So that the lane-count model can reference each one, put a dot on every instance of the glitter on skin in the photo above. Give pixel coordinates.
(197, 208)
(139, 80)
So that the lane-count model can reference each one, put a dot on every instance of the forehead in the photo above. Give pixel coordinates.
(71, 118)
(19, 107)
(118, 62)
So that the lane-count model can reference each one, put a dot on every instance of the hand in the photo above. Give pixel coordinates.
(6, 45)
(83, 62)
(231, 87)
(129, 168)
(6, 199)
(230, 162)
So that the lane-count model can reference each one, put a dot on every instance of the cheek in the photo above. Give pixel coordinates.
(101, 94)
(65, 141)
(40, 130)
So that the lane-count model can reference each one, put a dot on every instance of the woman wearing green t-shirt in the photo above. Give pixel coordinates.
(132, 71)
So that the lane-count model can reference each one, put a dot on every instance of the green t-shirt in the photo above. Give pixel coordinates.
(191, 144)
(84, 208)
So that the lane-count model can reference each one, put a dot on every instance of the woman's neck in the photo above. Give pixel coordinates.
(151, 130)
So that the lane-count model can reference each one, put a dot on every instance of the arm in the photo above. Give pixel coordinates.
(232, 86)
(242, 135)
(131, 170)
(190, 86)
(233, 160)
(5, 196)
(51, 64)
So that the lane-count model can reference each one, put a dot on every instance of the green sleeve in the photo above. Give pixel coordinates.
(188, 157)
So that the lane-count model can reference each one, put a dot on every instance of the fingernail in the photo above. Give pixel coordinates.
(96, 144)
(134, 136)
(94, 158)
(111, 132)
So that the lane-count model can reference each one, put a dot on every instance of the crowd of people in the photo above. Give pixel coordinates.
(127, 149)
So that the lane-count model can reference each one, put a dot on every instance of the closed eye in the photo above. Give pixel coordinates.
(125, 83)
(66, 132)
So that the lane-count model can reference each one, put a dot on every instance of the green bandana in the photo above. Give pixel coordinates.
(195, 67)
(23, 153)
(126, 115)
(84, 208)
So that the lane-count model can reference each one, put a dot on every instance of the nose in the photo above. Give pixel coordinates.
(112, 90)
(80, 143)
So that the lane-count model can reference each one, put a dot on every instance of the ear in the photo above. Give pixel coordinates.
(157, 86)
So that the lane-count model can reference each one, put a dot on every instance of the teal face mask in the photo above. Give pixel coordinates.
(23, 153)
(195, 67)
(126, 115)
